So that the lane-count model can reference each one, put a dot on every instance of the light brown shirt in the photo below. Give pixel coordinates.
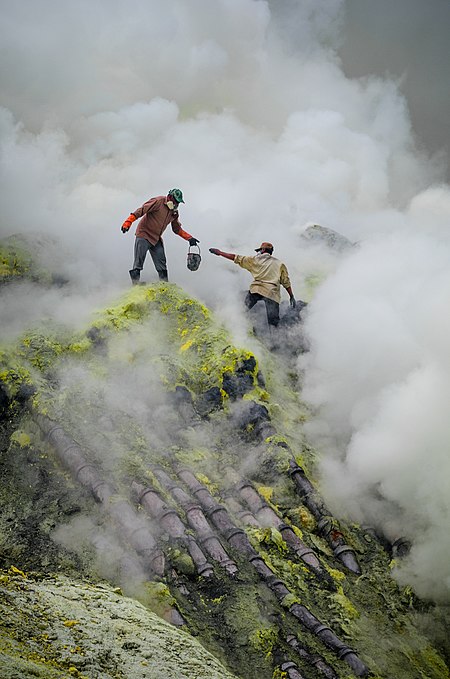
(268, 273)
(155, 217)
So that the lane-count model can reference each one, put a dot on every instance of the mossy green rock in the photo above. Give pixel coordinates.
(63, 628)
(29, 257)
(125, 390)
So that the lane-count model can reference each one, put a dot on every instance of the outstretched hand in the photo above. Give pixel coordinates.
(214, 251)
(193, 241)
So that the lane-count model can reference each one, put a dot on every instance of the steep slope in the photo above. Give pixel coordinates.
(151, 453)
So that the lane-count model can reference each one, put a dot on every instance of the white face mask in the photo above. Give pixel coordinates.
(170, 204)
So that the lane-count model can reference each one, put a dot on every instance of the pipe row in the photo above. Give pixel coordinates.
(198, 522)
(169, 520)
(311, 658)
(326, 525)
(258, 416)
(329, 638)
(400, 548)
(120, 511)
(291, 670)
(244, 515)
(267, 516)
(218, 515)
(221, 519)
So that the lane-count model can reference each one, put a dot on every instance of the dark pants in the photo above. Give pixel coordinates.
(157, 253)
(272, 307)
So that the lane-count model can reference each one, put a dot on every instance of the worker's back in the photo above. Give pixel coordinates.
(268, 273)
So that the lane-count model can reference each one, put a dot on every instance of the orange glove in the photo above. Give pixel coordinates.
(127, 223)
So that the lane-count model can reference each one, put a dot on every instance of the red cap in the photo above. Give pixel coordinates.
(264, 246)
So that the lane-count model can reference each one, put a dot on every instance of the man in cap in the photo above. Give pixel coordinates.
(154, 217)
(268, 274)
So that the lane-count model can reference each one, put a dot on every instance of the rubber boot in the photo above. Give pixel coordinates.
(135, 275)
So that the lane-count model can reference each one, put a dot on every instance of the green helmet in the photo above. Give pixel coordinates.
(177, 195)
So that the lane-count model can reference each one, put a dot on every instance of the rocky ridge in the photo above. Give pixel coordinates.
(148, 453)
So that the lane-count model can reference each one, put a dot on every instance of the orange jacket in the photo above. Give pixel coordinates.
(155, 217)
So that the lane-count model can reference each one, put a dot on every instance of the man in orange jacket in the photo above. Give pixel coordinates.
(154, 217)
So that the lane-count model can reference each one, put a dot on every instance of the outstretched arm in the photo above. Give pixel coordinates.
(219, 253)
(149, 206)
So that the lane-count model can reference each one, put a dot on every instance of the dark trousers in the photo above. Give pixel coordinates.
(157, 253)
(272, 307)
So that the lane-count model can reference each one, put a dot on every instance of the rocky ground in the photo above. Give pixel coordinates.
(161, 517)
(60, 627)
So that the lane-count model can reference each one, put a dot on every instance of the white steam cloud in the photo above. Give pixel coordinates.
(379, 373)
(244, 105)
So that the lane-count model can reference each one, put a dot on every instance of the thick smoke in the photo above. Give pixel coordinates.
(408, 40)
(245, 106)
(379, 372)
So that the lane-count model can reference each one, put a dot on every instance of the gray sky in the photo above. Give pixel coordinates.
(409, 40)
